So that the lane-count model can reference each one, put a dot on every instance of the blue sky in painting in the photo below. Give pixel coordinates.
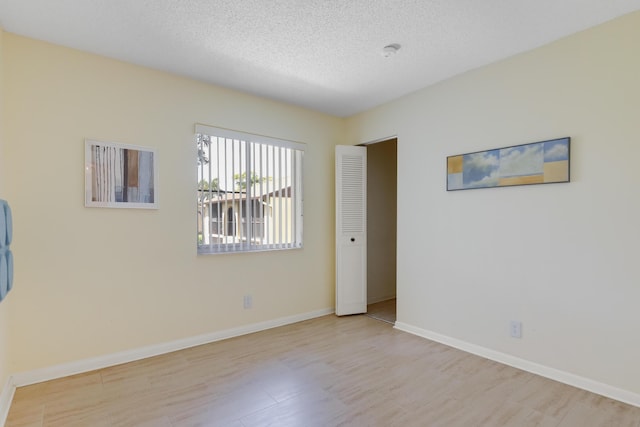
(556, 150)
(522, 160)
(480, 169)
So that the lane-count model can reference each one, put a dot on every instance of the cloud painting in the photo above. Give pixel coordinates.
(521, 160)
(535, 163)
(556, 150)
(480, 169)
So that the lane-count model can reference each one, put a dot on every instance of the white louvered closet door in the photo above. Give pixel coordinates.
(351, 230)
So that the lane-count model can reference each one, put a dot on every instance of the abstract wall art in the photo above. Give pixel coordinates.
(120, 175)
(543, 162)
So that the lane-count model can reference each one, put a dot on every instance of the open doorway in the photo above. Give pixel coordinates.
(381, 229)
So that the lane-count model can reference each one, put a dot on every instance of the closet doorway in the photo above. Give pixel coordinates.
(381, 229)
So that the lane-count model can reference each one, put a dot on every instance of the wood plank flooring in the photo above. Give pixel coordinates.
(329, 371)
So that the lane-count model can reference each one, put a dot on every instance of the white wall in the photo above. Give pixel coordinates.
(92, 282)
(4, 305)
(561, 258)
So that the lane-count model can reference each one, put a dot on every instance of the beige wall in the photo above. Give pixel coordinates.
(91, 282)
(4, 343)
(561, 258)
(381, 221)
(4, 305)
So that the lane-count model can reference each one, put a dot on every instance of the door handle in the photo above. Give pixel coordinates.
(353, 239)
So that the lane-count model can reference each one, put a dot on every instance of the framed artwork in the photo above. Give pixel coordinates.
(120, 175)
(543, 162)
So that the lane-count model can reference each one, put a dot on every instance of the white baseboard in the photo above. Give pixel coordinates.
(6, 396)
(526, 365)
(87, 365)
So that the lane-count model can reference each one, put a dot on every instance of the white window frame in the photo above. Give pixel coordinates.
(266, 214)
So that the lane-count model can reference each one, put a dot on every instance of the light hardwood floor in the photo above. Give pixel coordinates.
(329, 371)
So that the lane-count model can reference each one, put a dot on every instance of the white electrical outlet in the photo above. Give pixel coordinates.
(515, 329)
(248, 301)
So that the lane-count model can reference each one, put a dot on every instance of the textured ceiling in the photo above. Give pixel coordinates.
(322, 54)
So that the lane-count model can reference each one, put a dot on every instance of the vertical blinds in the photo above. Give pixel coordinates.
(249, 192)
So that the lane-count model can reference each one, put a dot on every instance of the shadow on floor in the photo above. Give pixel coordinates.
(383, 310)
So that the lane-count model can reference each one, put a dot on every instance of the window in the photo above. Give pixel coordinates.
(249, 192)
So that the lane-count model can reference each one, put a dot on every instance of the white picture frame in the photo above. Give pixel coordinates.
(120, 175)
